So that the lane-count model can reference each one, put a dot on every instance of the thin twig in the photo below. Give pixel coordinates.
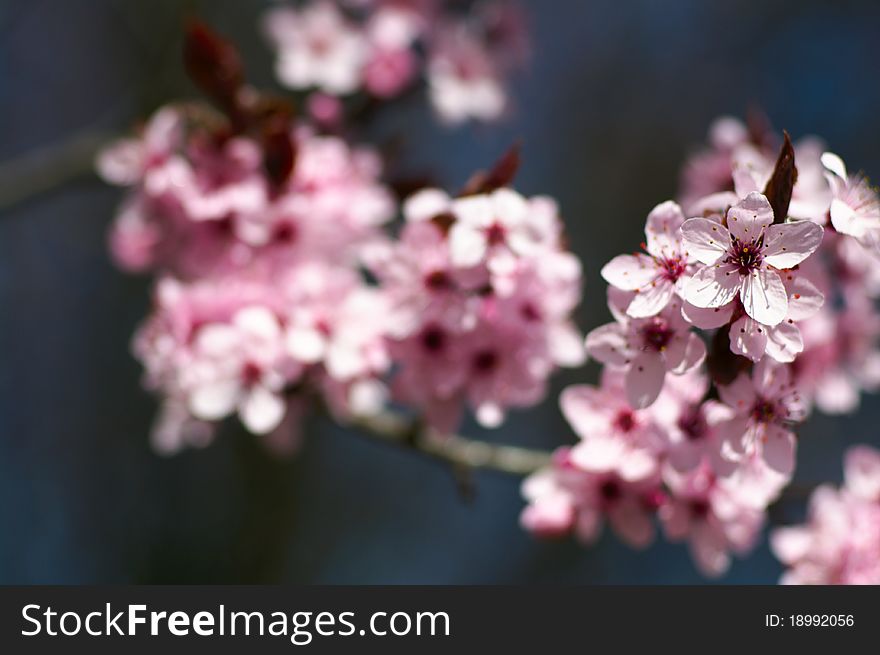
(44, 169)
(454, 450)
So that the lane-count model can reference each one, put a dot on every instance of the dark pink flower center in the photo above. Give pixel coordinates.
(693, 425)
(285, 233)
(625, 421)
(610, 491)
(764, 411)
(699, 509)
(485, 361)
(496, 234)
(657, 334)
(746, 257)
(672, 268)
(434, 339)
(438, 281)
(251, 373)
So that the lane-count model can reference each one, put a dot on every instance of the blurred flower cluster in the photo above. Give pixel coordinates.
(382, 48)
(280, 287)
(772, 253)
(840, 542)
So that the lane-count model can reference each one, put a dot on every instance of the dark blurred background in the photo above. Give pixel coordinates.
(615, 97)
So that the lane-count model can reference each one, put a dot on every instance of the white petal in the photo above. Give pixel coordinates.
(764, 297)
(261, 410)
(467, 245)
(713, 286)
(644, 379)
(214, 400)
(704, 239)
(788, 244)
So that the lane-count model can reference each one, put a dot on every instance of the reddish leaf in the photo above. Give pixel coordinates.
(213, 64)
(500, 175)
(781, 184)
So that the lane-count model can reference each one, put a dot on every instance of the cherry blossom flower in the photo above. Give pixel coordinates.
(702, 510)
(615, 436)
(749, 338)
(564, 498)
(317, 48)
(239, 367)
(855, 207)
(463, 80)
(690, 423)
(661, 272)
(840, 542)
(766, 404)
(743, 259)
(646, 349)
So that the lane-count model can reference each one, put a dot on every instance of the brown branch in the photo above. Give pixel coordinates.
(459, 452)
(48, 168)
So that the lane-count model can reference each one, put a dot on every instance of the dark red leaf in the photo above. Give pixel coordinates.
(500, 175)
(781, 184)
(213, 64)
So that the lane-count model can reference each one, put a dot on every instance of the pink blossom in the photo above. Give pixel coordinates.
(661, 272)
(744, 259)
(703, 511)
(646, 349)
(766, 404)
(317, 47)
(463, 80)
(564, 498)
(690, 422)
(840, 542)
(855, 207)
(615, 436)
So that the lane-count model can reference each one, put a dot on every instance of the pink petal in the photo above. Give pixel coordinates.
(791, 544)
(694, 355)
(705, 240)
(467, 245)
(644, 379)
(778, 448)
(632, 523)
(662, 229)
(608, 345)
(771, 379)
(788, 244)
(582, 406)
(784, 342)
(630, 272)
(764, 297)
(707, 318)
(739, 394)
(747, 219)
(261, 411)
(804, 299)
(861, 467)
(709, 549)
(652, 299)
(748, 338)
(598, 454)
(215, 400)
(713, 286)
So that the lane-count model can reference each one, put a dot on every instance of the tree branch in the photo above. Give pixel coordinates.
(47, 168)
(459, 452)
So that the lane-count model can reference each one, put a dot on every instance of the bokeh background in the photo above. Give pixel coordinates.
(616, 95)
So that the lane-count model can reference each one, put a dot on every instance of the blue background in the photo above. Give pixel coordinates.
(616, 95)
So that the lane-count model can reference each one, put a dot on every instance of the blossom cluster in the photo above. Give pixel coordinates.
(380, 48)
(280, 289)
(772, 258)
(840, 542)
